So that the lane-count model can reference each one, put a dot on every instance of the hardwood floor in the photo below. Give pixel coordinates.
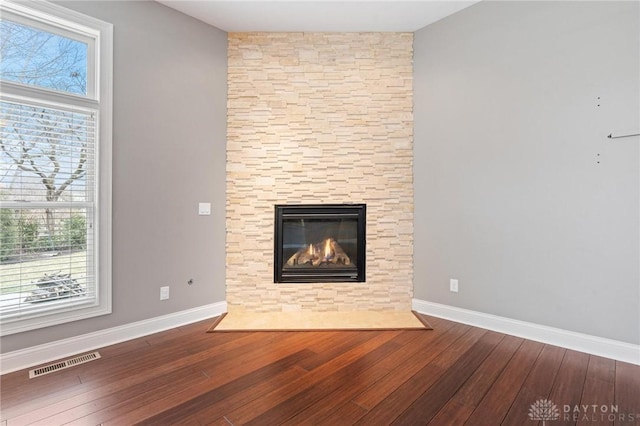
(452, 375)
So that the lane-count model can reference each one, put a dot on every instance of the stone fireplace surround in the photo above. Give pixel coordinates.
(319, 118)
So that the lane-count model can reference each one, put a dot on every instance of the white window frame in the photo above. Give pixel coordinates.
(68, 23)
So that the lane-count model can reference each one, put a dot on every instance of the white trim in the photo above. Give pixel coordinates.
(70, 24)
(55, 16)
(100, 97)
(35, 96)
(29, 357)
(594, 345)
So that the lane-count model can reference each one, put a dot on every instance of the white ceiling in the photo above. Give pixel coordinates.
(318, 15)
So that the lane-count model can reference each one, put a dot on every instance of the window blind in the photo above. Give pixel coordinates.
(47, 210)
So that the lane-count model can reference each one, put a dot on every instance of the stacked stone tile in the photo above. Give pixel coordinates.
(319, 118)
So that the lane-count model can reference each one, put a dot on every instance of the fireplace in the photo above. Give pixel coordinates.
(319, 243)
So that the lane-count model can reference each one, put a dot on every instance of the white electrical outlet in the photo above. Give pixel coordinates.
(204, 209)
(453, 285)
(164, 293)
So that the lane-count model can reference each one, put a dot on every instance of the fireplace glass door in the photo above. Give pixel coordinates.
(319, 243)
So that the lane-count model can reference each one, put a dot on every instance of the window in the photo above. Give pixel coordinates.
(55, 166)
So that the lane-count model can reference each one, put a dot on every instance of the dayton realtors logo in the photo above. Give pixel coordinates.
(597, 413)
(546, 410)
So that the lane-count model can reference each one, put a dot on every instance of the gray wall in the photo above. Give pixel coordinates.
(170, 74)
(513, 103)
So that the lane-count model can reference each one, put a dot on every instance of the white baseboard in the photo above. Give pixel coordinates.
(28, 357)
(607, 348)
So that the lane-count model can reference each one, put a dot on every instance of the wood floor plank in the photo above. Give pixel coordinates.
(425, 407)
(219, 375)
(464, 402)
(204, 401)
(330, 348)
(349, 413)
(453, 375)
(537, 386)
(495, 404)
(569, 384)
(99, 410)
(105, 379)
(338, 405)
(627, 393)
(231, 402)
(404, 395)
(599, 387)
(416, 343)
(279, 396)
(362, 369)
(218, 422)
(404, 371)
(219, 371)
(15, 400)
(99, 398)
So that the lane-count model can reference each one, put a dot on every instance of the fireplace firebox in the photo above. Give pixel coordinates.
(319, 243)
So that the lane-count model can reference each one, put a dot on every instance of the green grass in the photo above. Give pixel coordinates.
(34, 270)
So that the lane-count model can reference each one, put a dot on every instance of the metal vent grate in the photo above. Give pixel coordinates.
(63, 364)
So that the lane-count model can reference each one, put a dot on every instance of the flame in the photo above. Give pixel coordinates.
(311, 250)
(327, 248)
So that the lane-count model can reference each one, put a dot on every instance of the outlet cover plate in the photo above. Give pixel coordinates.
(164, 293)
(204, 209)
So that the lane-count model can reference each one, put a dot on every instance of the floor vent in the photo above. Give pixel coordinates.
(63, 364)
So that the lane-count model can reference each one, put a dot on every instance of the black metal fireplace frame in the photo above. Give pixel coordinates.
(311, 211)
